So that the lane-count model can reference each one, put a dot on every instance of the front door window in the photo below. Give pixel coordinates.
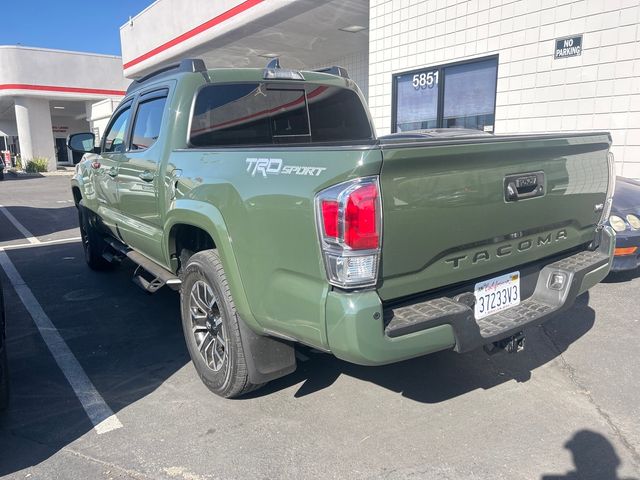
(114, 138)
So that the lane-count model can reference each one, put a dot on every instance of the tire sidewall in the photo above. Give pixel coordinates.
(95, 245)
(220, 381)
(84, 233)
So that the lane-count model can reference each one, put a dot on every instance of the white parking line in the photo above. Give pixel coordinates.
(27, 234)
(102, 417)
(41, 244)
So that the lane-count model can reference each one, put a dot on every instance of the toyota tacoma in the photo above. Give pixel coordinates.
(266, 199)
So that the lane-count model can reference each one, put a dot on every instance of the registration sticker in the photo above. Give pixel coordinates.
(497, 294)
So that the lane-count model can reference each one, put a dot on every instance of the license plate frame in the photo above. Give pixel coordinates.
(496, 294)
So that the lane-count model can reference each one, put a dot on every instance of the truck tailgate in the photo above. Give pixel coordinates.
(449, 216)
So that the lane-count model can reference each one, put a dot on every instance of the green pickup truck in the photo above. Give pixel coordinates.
(266, 199)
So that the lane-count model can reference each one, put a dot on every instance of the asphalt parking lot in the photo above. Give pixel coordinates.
(566, 407)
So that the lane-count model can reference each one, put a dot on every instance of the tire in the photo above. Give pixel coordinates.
(4, 379)
(210, 326)
(1, 174)
(92, 242)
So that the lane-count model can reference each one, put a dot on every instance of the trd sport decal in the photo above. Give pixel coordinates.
(275, 166)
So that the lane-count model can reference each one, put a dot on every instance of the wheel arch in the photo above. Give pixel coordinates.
(82, 190)
(193, 217)
(187, 236)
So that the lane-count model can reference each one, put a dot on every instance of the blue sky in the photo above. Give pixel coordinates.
(86, 26)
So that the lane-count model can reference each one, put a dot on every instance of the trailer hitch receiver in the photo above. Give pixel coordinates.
(513, 344)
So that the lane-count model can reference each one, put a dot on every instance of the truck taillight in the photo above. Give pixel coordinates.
(361, 218)
(330, 218)
(349, 217)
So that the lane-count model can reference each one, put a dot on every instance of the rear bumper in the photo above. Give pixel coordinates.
(361, 331)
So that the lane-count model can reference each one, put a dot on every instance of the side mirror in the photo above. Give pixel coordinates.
(82, 142)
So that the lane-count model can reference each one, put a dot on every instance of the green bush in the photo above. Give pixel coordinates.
(38, 164)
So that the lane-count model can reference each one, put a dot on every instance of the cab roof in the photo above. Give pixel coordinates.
(272, 72)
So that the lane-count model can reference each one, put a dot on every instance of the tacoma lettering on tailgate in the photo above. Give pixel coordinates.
(509, 248)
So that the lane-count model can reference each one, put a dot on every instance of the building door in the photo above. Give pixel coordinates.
(61, 150)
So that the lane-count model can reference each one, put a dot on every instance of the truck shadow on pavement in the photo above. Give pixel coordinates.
(40, 222)
(621, 277)
(129, 344)
(441, 376)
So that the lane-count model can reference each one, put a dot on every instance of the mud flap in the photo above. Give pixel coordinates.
(267, 358)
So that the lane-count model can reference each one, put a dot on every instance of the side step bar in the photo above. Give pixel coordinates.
(159, 277)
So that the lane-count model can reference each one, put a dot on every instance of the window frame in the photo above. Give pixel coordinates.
(278, 85)
(126, 104)
(306, 109)
(147, 96)
(441, 88)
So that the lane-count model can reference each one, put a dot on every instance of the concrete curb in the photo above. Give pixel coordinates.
(68, 173)
(41, 174)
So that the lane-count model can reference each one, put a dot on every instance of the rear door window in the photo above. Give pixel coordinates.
(263, 114)
(146, 126)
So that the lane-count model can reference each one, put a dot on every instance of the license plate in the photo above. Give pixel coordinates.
(497, 294)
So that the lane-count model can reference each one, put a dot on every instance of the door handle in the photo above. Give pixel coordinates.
(147, 176)
(112, 172)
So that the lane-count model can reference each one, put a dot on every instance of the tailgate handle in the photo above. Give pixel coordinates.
(523, 185)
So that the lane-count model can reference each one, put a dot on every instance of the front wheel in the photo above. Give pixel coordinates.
(92, 242)
(210, 325)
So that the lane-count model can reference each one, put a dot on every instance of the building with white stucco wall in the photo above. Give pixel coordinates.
(597, 88)
(47, 94)
(490, 64)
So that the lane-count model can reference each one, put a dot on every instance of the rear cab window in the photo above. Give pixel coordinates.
(262, 113)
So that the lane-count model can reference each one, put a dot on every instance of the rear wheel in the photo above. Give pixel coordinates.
(92, 242)
(210, 325)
